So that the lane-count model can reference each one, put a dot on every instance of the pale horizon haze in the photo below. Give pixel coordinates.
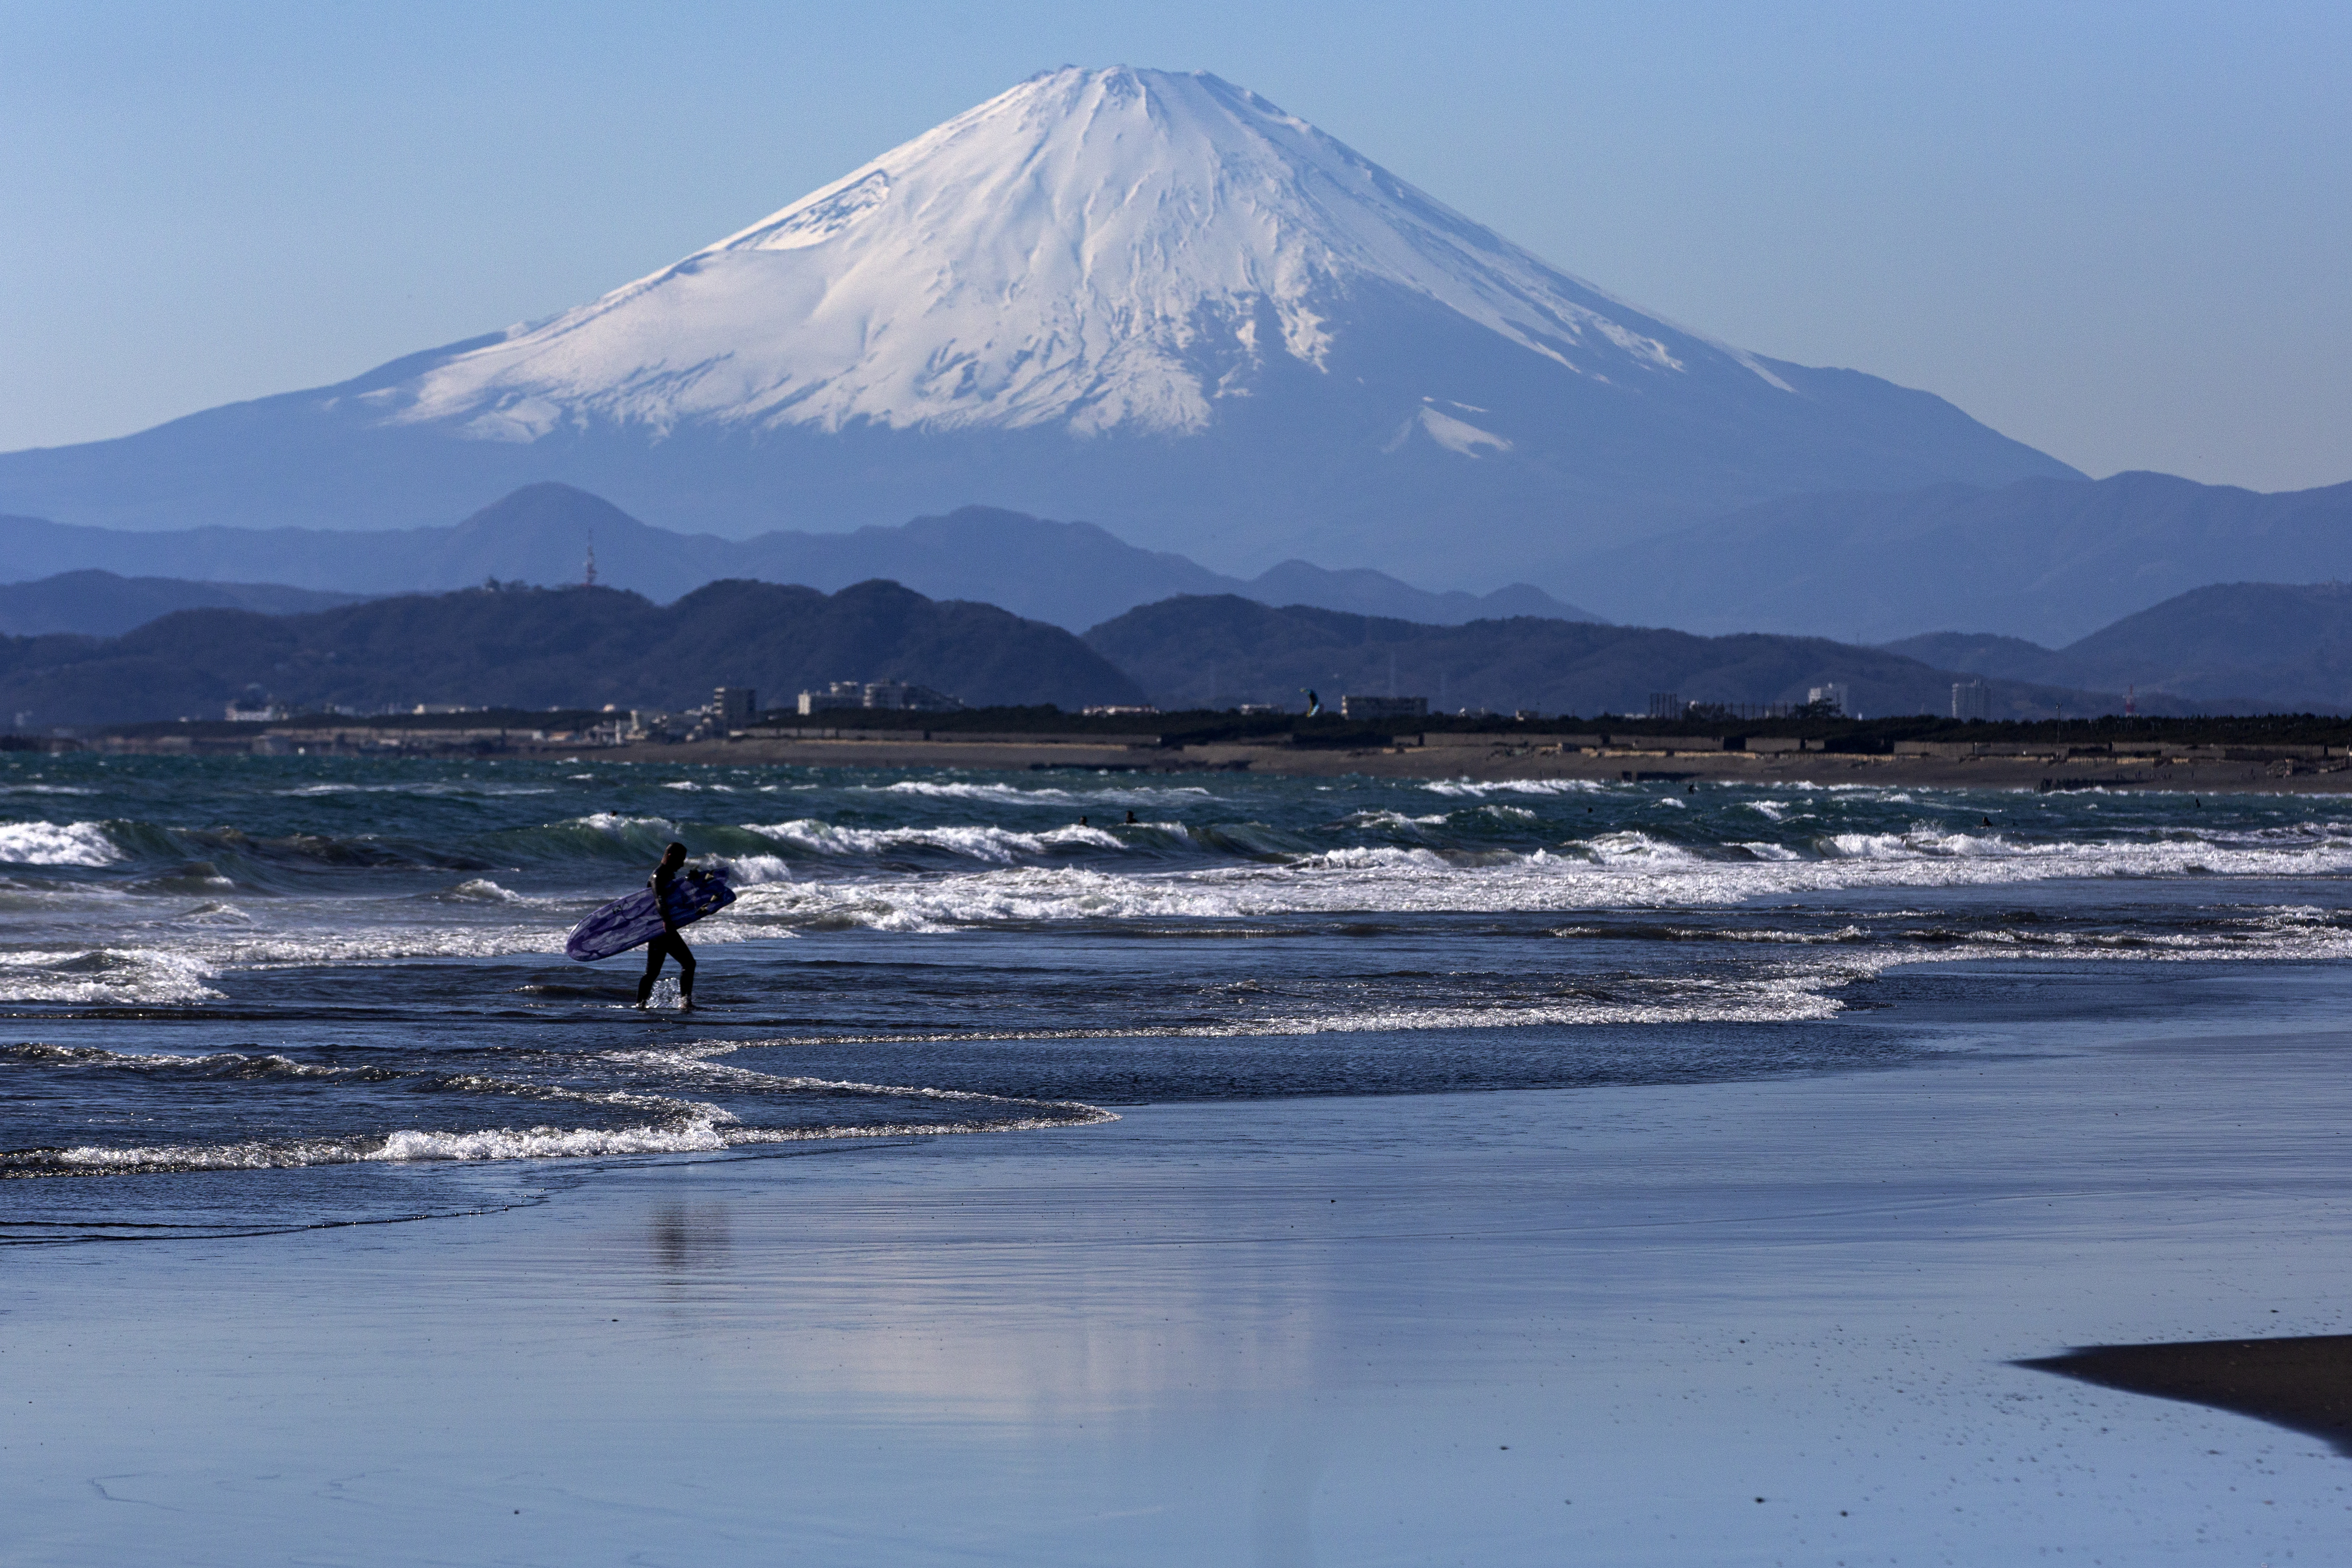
(2118, 233)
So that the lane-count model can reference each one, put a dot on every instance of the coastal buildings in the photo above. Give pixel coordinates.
(732, 707)
(902, 696)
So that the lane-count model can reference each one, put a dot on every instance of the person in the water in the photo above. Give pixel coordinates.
(669, 944)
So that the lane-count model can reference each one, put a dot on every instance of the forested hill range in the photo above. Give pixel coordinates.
(535, 648)
(1072, 575)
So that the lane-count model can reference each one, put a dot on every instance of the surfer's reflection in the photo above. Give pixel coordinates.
(669, 944)
(690, 1237)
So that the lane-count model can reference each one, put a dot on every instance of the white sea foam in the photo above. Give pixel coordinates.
(106, 977)
(1395, 821)
(1022, 895)
(57, 844)
(1360, 857)
(613, 822)
(709, 1130)
(429, 788)
(216, 914)
(1623, 869)
(1001, 845)
(167, 1064)
(353, 943)
(1513, 786)
(1045, 796)
(483, 889)
(703, 1058)
(549, 1142)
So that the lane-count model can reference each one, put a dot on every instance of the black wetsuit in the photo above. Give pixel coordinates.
(668, 944)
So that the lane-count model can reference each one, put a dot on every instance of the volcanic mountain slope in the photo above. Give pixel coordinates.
(1153, 300)
(529, 648)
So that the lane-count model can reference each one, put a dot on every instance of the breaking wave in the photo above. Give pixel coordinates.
(57, 844)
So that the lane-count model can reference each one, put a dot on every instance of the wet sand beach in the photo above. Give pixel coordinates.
(1770, 1320)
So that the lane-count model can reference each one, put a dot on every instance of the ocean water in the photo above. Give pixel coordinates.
(247, 995)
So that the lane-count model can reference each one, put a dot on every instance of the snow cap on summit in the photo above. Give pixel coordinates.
(1093, 250)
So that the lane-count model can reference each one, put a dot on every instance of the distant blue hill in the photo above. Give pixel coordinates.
(2286, 646)
(1072, 575)
(101, 603)
(2049, 560)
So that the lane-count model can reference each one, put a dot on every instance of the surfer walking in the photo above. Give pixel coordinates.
(668, 944)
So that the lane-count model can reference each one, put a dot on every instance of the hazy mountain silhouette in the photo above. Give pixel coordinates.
(2046, 560)
(1071, 573)
(2287, 646)
(101, 603)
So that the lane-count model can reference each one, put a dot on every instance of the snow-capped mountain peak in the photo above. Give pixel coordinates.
(1093, 250)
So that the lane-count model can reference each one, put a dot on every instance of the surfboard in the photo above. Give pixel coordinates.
(631, 921)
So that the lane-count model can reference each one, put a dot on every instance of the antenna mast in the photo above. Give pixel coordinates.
(588, 573)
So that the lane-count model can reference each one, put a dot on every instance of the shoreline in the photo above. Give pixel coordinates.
(1483, 760)
(1483, 757)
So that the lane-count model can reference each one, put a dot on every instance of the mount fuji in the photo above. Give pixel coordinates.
(1150, 299)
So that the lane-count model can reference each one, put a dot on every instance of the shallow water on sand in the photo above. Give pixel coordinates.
(251, 994)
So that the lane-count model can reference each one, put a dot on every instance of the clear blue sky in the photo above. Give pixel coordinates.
(2121, 232)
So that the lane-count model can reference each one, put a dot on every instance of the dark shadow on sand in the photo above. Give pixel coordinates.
(2304, 1385)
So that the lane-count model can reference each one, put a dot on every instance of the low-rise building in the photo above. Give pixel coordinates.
(892, 694)
(732, 707)
(905, 695)
(840, 694)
